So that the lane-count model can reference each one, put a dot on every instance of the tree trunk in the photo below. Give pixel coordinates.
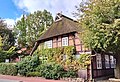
(117, 70)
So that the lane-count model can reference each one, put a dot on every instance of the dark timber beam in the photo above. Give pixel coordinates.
(34, 48)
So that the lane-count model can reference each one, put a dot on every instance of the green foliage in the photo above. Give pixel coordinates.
(55, 71)
(1, 44)
(3, 56)
(33, 66)
(27, 65)
(51, 70)
(63, 55)
(84, 60)
(70, 73)
(101, 24)
(33, 74)
(7, 35)
(55, 52)
(7, 54)
(8, 69)
(30, 27)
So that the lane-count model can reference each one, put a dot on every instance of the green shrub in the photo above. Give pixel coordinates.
(50, 70)
(8, 69)
(40, 69)
(33, 74)
(28, 64)
(70, 73)
(3, 56)
(7, 54)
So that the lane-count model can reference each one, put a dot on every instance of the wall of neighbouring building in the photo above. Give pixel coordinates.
(103, 72)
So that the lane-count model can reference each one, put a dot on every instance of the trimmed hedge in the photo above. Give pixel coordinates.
(8, 69)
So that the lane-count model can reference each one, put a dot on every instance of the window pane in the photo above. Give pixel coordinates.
(107, 64)
(99, 61)
(48, 44)
(112, 61)
(65, 41)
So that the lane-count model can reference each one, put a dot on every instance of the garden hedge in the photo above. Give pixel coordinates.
(8, 69)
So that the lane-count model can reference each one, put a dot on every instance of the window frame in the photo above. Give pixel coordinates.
(99, 61)
(48, 44)
(65, 41)
(107, 61)
(112, 62)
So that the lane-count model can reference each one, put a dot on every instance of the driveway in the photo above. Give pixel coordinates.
(7, 78)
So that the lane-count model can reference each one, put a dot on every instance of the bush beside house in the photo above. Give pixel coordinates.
(50, 64)
(27, 65)
(32, 66)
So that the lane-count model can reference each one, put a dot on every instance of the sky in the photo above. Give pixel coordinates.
(12, 10)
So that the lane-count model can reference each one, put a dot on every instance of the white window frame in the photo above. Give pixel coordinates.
(99, 61)
(64, 57)
(107, 61)
(65, 41)
(48, 44)
(112, 64)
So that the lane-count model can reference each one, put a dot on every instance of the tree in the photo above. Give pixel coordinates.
(20, 31)
(5, 54)
(1, 44)
(100, 20)
(8, 39)
(30, 28)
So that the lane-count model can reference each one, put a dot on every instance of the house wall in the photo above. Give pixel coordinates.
(104, 72)
(71, 41)
(59, 41)
(74, 40)
(80, 47)
(55, 43)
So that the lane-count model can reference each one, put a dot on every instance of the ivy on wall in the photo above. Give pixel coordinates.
(62, 55)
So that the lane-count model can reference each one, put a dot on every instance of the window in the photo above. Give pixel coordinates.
(48, 44)
(64, 57)
(107, 63)
(65, 41)
(99, 61)
(112, 61)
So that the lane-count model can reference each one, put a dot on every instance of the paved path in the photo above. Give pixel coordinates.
(105, 81)
(7, 78)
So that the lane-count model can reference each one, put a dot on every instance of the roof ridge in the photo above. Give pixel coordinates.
(59, 16)
(69, 18)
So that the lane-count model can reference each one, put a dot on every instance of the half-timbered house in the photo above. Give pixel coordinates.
(65, 32)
